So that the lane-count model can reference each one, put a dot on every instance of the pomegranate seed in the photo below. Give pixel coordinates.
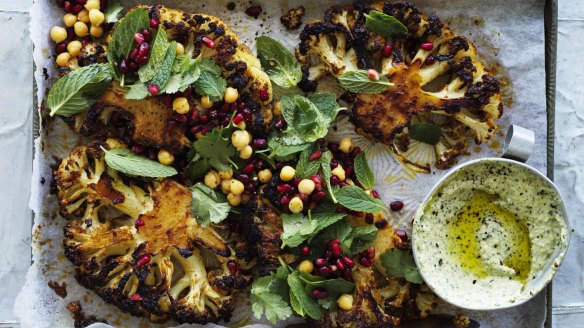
(319, 293)
(306, 251)
(248, 169)
(134, 53)
(204, 118)
(325, 270)
(147, 35)
(340, 265)
(254, 11)
(136, 297)
(348, 262)
(139, 38)
(303, 197)
(139, 223)
(237, 118)
(356, 151)
(328, 254)
(259, 144)
(180, 118)
(213, 114)
(264, 96)
(167, 101)
(208, 42)
(335, 181)
(280, 124)
(232, 266)
(334, 163)
(396, 206)
(369, 218)
(194, 115)
(250, 187)
(123, 66)
(343, 184)
(365, 262)
(207, 128)
(68, 7)
(334, 242)
(430, 60)
(373, 74)
(144, 50)
(246, 112)
(244, 178)
(347, 274)
(374, 194)
(61, 48)
(141, 59)
(137, 149)
(81, 2)
(143, 261)
(371, 252)
(387, 50)
(312, 205)
(334, 147)
(427, 46)
(153, 89)
(402, 235)
(70, 34)
(316, 155)
(341, 209)
(77, 9)
(196, 129)
(285, 200)
(320, 262)
(381, 224)
(154, 23)
(348, 170)
(316, 179)
(318, 196)
(297, 181)
(284, 188)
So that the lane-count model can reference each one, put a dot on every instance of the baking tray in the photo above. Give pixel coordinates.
(551, 30)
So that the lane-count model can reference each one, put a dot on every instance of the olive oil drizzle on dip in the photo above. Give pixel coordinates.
(485, 236)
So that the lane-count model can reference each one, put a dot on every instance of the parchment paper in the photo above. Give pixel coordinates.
(508, 34)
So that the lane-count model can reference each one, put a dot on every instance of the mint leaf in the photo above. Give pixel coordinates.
(173, 85)
(113, 11)
(426, 133)
(325, 162)
(207, 65)
(215, 149)
(360, 238)
(122, 41)
(125, 161)
(360, 82)
(137, 91)
(278, 62)
(207, 206)
(304, 119)
(400, 263)
(267, 299)
(77, 91)
(356, 199)
(304, 167)
(297, 229)
(335, 287)
(165, 70)
(300, 301)
(324, 220)
(327, 105)
(160, 46)
(282, 151)
(210, 85)
(363, 171)
(385, 25)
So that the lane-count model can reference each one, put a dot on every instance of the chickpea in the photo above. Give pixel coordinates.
(181, 105)
(339, 172)
(92, 4)
(83, 16)
(227, 174)
(74, 48)
(346, 145)
(81, 29)
(180, 49)
(206, 103)
(345, 302)
(236, 187)
(246, 152)
(96, 31)
(234, 200)
(226, 186)
(306, 266)
(306, 186)
(165, 158)
(287, 173)
(212, 179)
(296, 205)
(231, 95)
(278, 109)
(265, 175)
(63, 59)
(69, 20)
(96, 17)
(58, 34)
(240, 139)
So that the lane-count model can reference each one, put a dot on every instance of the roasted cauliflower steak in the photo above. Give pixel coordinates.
(441, 83)
(148, 117)
(138, 247)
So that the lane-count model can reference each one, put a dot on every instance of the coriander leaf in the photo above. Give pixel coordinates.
(206, 206)
(278, 62)
(327, 105)
(122, 41)
(137, 91)
(165, 69)
(210, 85)
(400, 263)
(207, 65)
(385, 25)
(356, 199)
(265, 300)
(300, 301)
(112, 11)
(215, 149)
(360, 82)
(198, 167)
(361, 238)
(297, 228)
(304, 119)
(125, 161)
(305, 168)
(325, 161)
(77, 91)
(426, 133)
(160, 46)
(363, 171)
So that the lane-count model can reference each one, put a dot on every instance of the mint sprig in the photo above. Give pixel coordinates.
(363, 171)
(360, 82)
(160, 46)
(356, 199)
(278, 62)
(125, 161)
(385, 25)
(211, 85)
(400, 263)
(122, 41)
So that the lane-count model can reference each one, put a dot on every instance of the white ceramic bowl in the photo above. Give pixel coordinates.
(480, 296)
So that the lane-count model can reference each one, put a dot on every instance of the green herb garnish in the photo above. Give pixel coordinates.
(363, 171)
(211, 85)
(426, 133)
(299, 228)
(385, 25)
(360, 82)
(160, 46)
(125, 161)
(400, 263)
(207, 206)
(278, 62)
(356, 199)
(122, 41)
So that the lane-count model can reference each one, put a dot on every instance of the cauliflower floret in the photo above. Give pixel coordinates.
(445, 78)
(139, 248)
(293, 18)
